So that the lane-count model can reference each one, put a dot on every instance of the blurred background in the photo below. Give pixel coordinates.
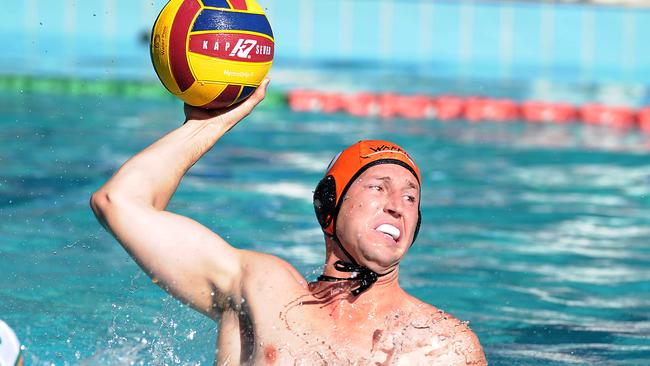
(537, 233)
(579, 41)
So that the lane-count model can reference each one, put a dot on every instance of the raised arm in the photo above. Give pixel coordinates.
(182, 256)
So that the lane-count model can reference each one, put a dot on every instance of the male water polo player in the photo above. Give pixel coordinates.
(356, 313)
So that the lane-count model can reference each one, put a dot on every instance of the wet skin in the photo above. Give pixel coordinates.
(267, 312)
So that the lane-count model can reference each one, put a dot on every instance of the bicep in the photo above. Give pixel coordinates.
(182, 256)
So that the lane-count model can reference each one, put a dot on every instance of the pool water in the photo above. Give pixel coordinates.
(539, 235)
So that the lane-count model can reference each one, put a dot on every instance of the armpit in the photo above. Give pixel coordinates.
(224, 302)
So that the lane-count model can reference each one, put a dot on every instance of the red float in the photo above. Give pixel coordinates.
(418, 107)
(332, 102)
(598, 114)
(644, 119)
(536, 111)
(486, 109)
(448, 107)
(389, 105)
(363, 105)
(304, 101)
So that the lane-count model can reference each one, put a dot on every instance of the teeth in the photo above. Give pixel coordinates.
(390, 230)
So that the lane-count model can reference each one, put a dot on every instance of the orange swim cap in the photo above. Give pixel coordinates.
(344, 169)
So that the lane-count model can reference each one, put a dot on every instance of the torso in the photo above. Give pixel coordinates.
(288, 323)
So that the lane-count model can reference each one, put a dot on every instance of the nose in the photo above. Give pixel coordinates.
(394, 205)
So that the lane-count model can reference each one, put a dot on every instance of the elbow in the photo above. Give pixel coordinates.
(99, 201)
(106, 205)
(105, 202)
(102, 201)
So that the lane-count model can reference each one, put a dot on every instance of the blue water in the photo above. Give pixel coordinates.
(538, 235)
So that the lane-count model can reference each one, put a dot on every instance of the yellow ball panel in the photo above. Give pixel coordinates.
(211, 69)
(254, 7)
(202, 93)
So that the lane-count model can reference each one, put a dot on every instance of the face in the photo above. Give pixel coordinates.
(378, 216)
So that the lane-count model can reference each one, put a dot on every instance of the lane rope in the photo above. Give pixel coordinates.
(368, 104)
(470, 108)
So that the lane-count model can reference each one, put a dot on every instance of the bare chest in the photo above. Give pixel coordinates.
(307, 333)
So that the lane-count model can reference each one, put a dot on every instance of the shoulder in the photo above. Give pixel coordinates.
(459, 337)
(466, 342)
(444, 339)
(266, 269)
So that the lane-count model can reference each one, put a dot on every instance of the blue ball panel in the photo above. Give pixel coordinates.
(210, 20)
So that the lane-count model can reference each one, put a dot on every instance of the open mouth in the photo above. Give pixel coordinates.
(389, 230)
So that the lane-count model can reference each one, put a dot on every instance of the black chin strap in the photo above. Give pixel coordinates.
(363, 274)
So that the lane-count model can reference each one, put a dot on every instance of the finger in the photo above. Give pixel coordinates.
(260, 92)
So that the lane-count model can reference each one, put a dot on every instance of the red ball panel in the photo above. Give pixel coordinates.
(177, 39)
(225, 99)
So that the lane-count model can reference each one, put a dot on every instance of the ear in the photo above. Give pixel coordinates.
(325, 201)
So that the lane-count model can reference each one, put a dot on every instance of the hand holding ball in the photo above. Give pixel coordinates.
(212, 53)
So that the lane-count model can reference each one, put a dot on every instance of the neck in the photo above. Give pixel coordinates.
(334, 252)
(355, 279)
(379, 299)
(387, 275)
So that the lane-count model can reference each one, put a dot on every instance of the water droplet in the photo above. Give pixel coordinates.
(191, 334)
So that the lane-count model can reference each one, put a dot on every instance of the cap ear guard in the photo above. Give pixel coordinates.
(325, 201)
(417, 227)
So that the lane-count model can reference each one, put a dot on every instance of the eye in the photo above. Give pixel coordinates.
(410, 199)
(375, 187)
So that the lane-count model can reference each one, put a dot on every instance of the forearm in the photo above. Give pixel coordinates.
(152, 176)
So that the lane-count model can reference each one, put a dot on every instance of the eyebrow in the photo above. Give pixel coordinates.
(389, 179)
